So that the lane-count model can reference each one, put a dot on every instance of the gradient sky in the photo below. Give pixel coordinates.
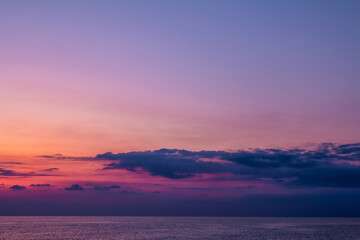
(253, 90)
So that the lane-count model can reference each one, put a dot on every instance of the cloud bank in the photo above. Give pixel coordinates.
(17, 187)
(74, 187)
(329, 165)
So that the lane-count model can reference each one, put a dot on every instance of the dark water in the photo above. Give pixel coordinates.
(178, 228)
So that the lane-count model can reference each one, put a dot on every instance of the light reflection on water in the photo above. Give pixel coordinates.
(178, 228)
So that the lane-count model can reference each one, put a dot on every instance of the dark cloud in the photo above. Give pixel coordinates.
(41, 185)
(17, 187)
(10, 173)
(350, 150)
(326, 166)
(46, 156)
(55, 156)
(196, 188)
(11, 163)
(5, 172)
(106, 188)
(62, 157)
(50, 169)
(174, 164)
(74, 187)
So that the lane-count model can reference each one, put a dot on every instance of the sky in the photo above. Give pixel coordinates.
(226, 108)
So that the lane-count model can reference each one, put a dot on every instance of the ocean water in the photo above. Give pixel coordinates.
(87, 228)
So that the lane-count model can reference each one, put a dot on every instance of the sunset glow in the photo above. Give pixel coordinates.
(178, 107)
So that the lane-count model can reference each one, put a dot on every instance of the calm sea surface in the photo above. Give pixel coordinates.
(178, 228)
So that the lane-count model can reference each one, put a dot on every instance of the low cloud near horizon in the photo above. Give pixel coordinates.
(329, 165)
(196, 182)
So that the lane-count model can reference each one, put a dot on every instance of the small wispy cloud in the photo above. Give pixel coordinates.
(74, 187)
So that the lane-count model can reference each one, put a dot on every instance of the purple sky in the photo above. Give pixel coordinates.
(82, 78)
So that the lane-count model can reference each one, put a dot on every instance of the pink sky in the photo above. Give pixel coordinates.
(82, 79)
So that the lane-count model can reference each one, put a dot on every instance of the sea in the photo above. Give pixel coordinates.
(87, 228)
